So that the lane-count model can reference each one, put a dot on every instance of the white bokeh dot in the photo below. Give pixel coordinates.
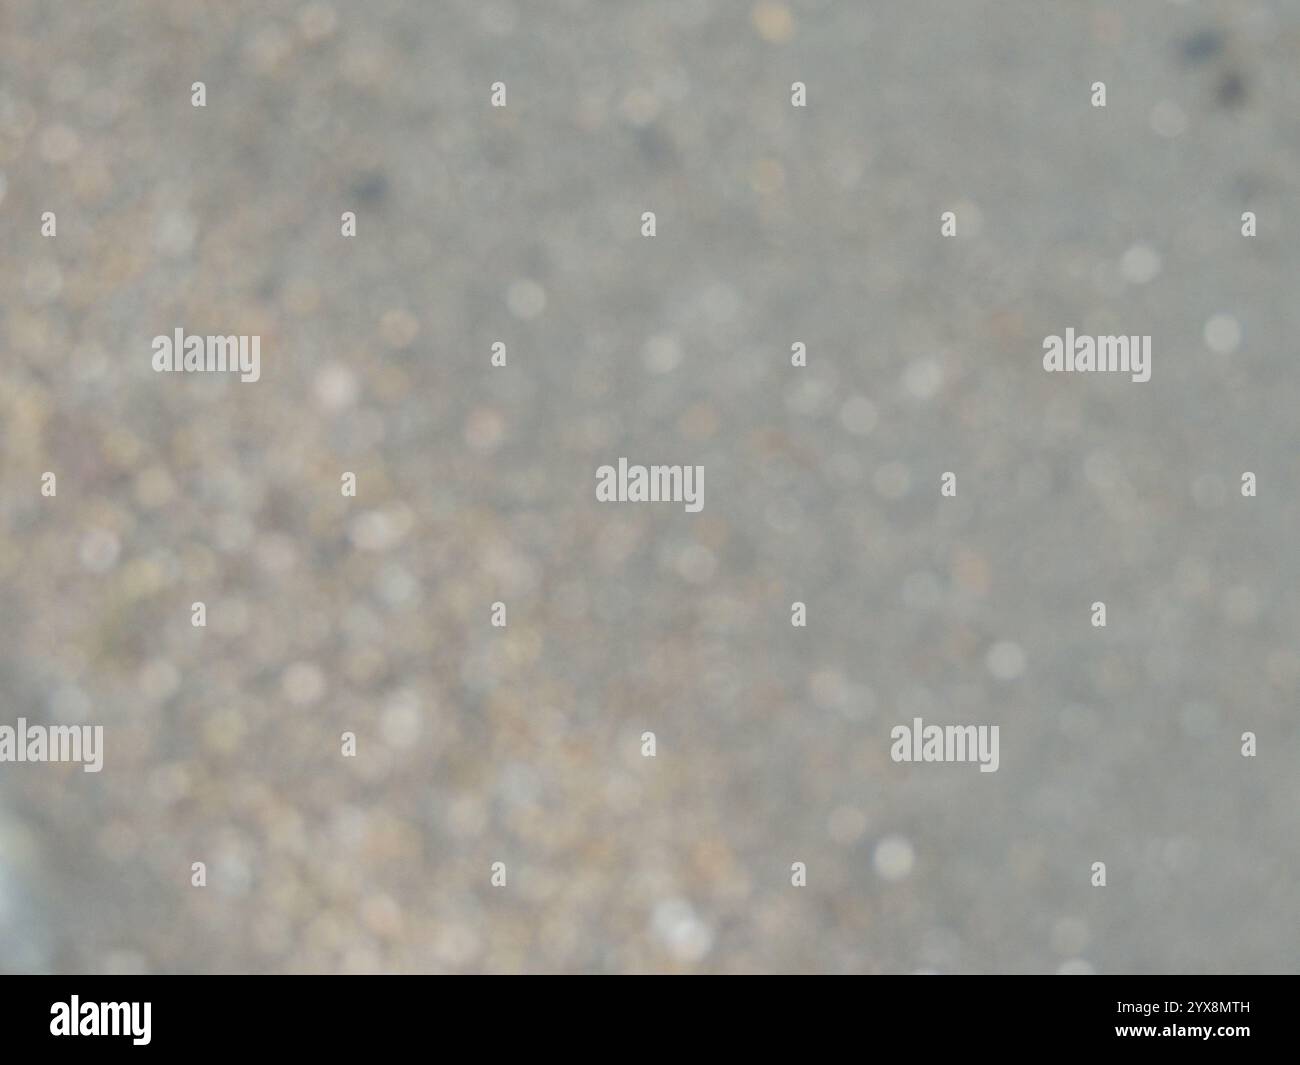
(858, 415)
(893, 858)
(1006, 660)
(526, 299)
(1140, 264)
(1222, 334)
